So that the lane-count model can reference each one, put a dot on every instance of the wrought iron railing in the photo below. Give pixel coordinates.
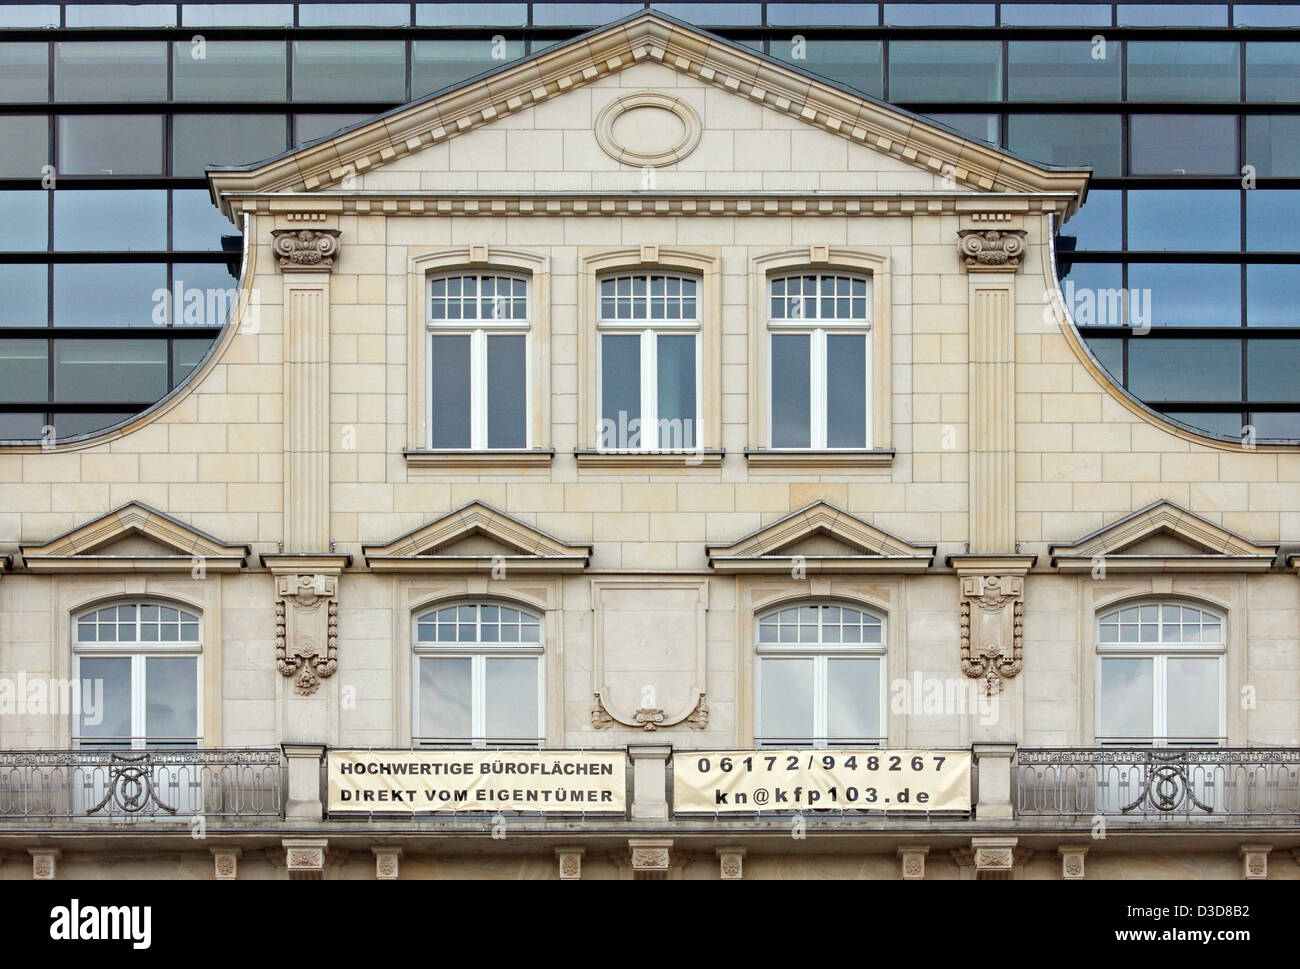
(1243, 784)
(139, 785)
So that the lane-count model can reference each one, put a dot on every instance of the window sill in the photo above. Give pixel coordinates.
(816, 460)
(480, 460)
(649, 460)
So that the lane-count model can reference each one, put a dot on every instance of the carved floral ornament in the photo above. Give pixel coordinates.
(992, 620)
(306, 641)
(306, 249)
(992, 249)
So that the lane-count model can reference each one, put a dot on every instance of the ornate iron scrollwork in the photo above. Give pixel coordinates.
(1166, 785)
(130, 786)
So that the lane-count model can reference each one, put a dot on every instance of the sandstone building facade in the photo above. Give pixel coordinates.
(650, 396)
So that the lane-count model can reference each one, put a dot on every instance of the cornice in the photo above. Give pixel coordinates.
(652, 39)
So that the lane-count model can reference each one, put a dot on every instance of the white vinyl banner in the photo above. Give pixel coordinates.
(802, 780)
(411, 781)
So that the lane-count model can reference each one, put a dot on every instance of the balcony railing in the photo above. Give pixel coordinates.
(1252, 785)
(126, 786)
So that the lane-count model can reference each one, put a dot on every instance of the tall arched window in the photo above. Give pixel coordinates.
(478, 362)
(819, 676)
(649, 369)
(478, 676)
(1160, 675)
(141, 663)
(819, 353)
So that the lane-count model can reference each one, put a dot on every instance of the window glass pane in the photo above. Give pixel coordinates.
(309, 127)
(203, 293)
(1063, 71)
(171, 696)
(1093, 292)
(450, 392)
(1127, 698)
(950, 70)
(853, 699)
(110, 71)
(112, 717)
(1261, 15)
(1097, 225)
(121, 15)
(108, 294)
(237, 15)
(580, 14)
(857, 63)
(68, 425)
(846, 390)
(510, 695)
(1193, 697)
(29, 15)
(507, 391)
(1273, 144)
(1273, 296)
(939, 14)
(23, 296)
(327, 70)
(445, 698)
(1272, 72)
(186, 355)
(1276, 425)
(109, 370)
(1183, 71)
(196, 222)
(1171, 15)
(1183, 144)
(354, 14)
(1056, 14)
(1185, 293)
(24, 72)
(1184, 369)
(471, 14)
(785, 699)
(229, 70)
(113, 144)
(24, 145)
(620, 391)
(1271, 224)
(21, 427)
(714, 14)
(676, 379)
(23, 370)
(1272, 369)
(791, 390)
(110, 219)
(436, 64)
(1068, 139)
(1185, 219)
(1110, 354)
(25, 217)
(822, 14)
(1214, 424)
(199, 140)
(981, 127)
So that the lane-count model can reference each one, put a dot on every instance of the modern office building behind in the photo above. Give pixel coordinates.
(628, 432)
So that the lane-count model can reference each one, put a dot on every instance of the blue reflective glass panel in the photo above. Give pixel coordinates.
(1273, 144)
(939, 14)
(946, 70)
(1171, 15)
(822, 14)
(1056, 14)
(1063, 70)
(1182, 144)
(857, 63)
(1272, 367)
(1097, 225)
(1068, 139)
(108, 219)
(25, 218)
(1175, 369)
(23, 294)
(1183, 71)
(1272, 72)
(237, 15)
(24, 72)
(1169, 220)
(107, 294)
(196, 222)
(471, 14)
(229, 70)
(1266, 15)
(1273, 297)
(1188, 294)
(1093, 293)
(1271, 220)
(366, 70)
(354, 14)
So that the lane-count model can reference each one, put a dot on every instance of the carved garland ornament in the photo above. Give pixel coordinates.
(650, 719)
(300, 654)
(989, 649)
(306, 248)
(992, 249)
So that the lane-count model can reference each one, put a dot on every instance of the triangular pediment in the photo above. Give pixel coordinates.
(1163, 537)
(134, 537)
(676, 50)
(476, 537)
(821, 538)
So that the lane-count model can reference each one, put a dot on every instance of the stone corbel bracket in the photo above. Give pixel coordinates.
(307, 618)
(991, 250)
(992, 616)
(306, 249)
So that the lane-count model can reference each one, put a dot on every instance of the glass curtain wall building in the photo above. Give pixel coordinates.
(1182, 270)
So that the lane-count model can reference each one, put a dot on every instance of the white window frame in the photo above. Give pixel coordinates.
(478, 332)
(138, 652)
(1159, 653)
(478, 654)
(820, 653)
(818, 329)
(649, 331)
